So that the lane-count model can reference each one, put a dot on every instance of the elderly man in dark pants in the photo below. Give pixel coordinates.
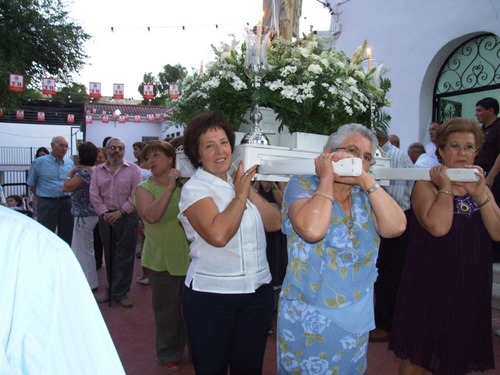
(112, 187)
(46, 180)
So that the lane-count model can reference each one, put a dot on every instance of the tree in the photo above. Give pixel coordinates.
(74, 92)
(37, 39)
(170, 74)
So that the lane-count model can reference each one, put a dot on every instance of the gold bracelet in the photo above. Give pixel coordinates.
(374, 187)
(241, 200)
(327, 196)
(482, 204)
(444, 191)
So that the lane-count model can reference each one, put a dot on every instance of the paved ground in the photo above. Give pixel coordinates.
(133, 333)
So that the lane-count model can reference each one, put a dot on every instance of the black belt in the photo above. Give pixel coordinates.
(55, 198)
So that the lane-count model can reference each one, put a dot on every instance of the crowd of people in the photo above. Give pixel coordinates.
(408, 263)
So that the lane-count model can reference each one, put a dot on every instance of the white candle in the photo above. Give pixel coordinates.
(259, 35)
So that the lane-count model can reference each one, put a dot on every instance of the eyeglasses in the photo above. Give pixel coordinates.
(468, 148)
(115, 148)
(367, 158)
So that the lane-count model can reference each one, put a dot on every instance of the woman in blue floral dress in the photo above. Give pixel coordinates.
(333, 225)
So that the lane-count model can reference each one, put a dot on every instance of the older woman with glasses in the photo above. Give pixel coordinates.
(442, 320)
(333, 225)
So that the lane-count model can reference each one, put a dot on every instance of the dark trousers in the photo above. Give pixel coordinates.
(124, 235)
(390, 263)
(170, 329)
(55, 215)
(495, 189)
(98, 250)
(228, 330)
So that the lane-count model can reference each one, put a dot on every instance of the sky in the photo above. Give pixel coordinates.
(123, 55)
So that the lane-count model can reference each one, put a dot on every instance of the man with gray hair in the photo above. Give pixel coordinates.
(417, 154)
(46, 180)
(112, 187)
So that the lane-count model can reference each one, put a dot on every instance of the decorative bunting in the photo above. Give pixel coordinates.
(48, 86)
(173, 91)
(20, 114)
(95, 90)
(148, 91)
(40, 116)
(88, 119)
(71, 118)
(118, 90)
(16, 82)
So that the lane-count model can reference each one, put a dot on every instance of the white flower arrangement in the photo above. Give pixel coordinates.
(311, 89)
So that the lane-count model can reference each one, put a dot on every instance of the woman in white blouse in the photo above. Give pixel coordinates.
(228, 302)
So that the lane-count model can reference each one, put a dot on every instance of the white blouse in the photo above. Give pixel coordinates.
(240, 266)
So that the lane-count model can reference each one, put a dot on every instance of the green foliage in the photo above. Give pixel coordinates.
(74, 92)
(312, 89)
(169, 74)
(37, 39)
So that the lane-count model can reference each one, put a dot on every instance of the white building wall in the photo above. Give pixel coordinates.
(36, 135)
(130, 132)
(414, 38)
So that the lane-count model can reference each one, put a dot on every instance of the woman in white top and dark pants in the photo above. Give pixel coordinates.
(228, 302)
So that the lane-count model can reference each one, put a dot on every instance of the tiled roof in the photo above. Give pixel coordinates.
(98, 109)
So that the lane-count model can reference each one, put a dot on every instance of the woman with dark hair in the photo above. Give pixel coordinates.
(442, 319)
(166, 251)
(41, 151)
(78, 182)
(228, 299)
(137, 147)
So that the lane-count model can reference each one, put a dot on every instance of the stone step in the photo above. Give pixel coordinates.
(495, 298)
(496, 272)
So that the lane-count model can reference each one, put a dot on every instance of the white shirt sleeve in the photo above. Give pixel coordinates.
(50, 322)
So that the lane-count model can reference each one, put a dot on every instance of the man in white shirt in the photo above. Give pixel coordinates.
(50, 323)
(417, 154)
(430, 147)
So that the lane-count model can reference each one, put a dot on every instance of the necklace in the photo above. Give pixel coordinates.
(349, 218)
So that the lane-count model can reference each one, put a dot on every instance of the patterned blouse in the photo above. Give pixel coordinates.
(80, 201)
(339, 270)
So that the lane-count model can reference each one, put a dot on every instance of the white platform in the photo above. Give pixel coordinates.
(278, 163)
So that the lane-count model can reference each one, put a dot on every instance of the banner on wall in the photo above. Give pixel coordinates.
(150, 117)
(20, 114)
(122, 119)
(137, 118)
(71, 118)
(16, 82)
(40, 116)
(105, 119)
(48, 86)
(118, 90)
(95, 90)
(88, 119)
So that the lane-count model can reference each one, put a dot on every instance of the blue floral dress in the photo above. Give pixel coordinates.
(326, 303)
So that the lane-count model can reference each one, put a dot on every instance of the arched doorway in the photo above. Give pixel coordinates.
(471, 72)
